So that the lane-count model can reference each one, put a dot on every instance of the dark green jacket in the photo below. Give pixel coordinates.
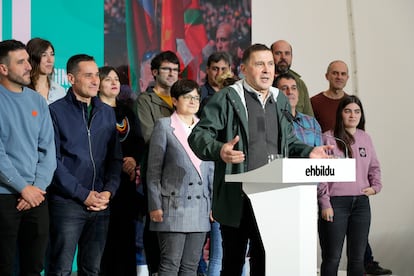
(221, 120)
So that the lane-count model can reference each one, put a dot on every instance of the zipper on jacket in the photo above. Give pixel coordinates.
(88, 129)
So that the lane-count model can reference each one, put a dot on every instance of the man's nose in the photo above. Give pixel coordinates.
(95, 79)
(28, 66)
(267, 68)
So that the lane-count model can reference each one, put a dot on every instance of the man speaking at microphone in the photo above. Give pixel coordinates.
(305, 127)
(238, 129)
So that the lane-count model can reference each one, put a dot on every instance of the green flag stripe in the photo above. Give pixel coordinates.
(194, 17)
(6, 18)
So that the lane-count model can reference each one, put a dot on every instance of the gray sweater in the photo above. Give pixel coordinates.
(27, 147)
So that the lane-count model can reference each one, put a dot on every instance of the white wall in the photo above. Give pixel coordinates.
(320, 31)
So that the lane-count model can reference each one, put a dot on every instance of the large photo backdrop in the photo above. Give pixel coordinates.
(136, 30)
(128, 33)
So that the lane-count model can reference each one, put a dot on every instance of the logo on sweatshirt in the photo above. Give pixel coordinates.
(34, 113)
(362, 152)
(123, 129)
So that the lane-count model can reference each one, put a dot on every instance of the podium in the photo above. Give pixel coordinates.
(283, 194)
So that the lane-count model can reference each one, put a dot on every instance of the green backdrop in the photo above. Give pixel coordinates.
(73, 27)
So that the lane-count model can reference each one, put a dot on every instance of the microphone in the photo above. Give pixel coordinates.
(290, 119)
(288, 116)
(293, 120)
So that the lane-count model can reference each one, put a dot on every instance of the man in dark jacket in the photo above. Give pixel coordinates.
(89, 163)
(240, 127)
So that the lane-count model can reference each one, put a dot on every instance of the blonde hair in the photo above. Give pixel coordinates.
(221, 79)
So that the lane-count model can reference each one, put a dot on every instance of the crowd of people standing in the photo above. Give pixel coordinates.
(73, 161)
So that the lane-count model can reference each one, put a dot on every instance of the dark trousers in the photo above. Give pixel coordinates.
(368, 257)
(119, 255)
(28, 230)
(235, 244)
(71, 224)
(151, 247)
(352, 218)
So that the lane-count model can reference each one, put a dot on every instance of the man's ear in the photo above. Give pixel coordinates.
(71, 78)
(243, 68)
(174, 101)
(4, 70)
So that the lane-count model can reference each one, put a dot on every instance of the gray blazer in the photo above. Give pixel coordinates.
(178, 182)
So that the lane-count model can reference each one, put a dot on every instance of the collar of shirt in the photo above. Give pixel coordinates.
(258, 94)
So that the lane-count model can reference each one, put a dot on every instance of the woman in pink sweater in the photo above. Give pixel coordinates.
(344, 206)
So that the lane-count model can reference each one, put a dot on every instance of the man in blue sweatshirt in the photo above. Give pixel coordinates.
(89, 163)
(28, 160)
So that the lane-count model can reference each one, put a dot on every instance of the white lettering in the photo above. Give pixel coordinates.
(61, 77)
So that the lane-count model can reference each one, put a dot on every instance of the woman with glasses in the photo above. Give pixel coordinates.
(179, 185)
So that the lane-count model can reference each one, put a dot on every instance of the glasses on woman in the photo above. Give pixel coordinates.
(191, 98)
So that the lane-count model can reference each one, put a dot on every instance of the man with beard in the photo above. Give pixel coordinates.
(282, 55)
(28, 160)
(151, 106)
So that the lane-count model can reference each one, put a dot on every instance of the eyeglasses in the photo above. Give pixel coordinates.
(191, 98)
(169, 69)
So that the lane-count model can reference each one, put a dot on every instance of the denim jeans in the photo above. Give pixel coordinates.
(368, 257)
(202, 265)
(216, 250)
(71, 225)
(352, 218)
(26, 230)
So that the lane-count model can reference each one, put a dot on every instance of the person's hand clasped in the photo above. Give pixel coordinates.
(33, 195)
(229, 155)
(23, 205)
(97, 201)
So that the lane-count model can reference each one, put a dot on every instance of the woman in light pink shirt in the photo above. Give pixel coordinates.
(344, 206)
